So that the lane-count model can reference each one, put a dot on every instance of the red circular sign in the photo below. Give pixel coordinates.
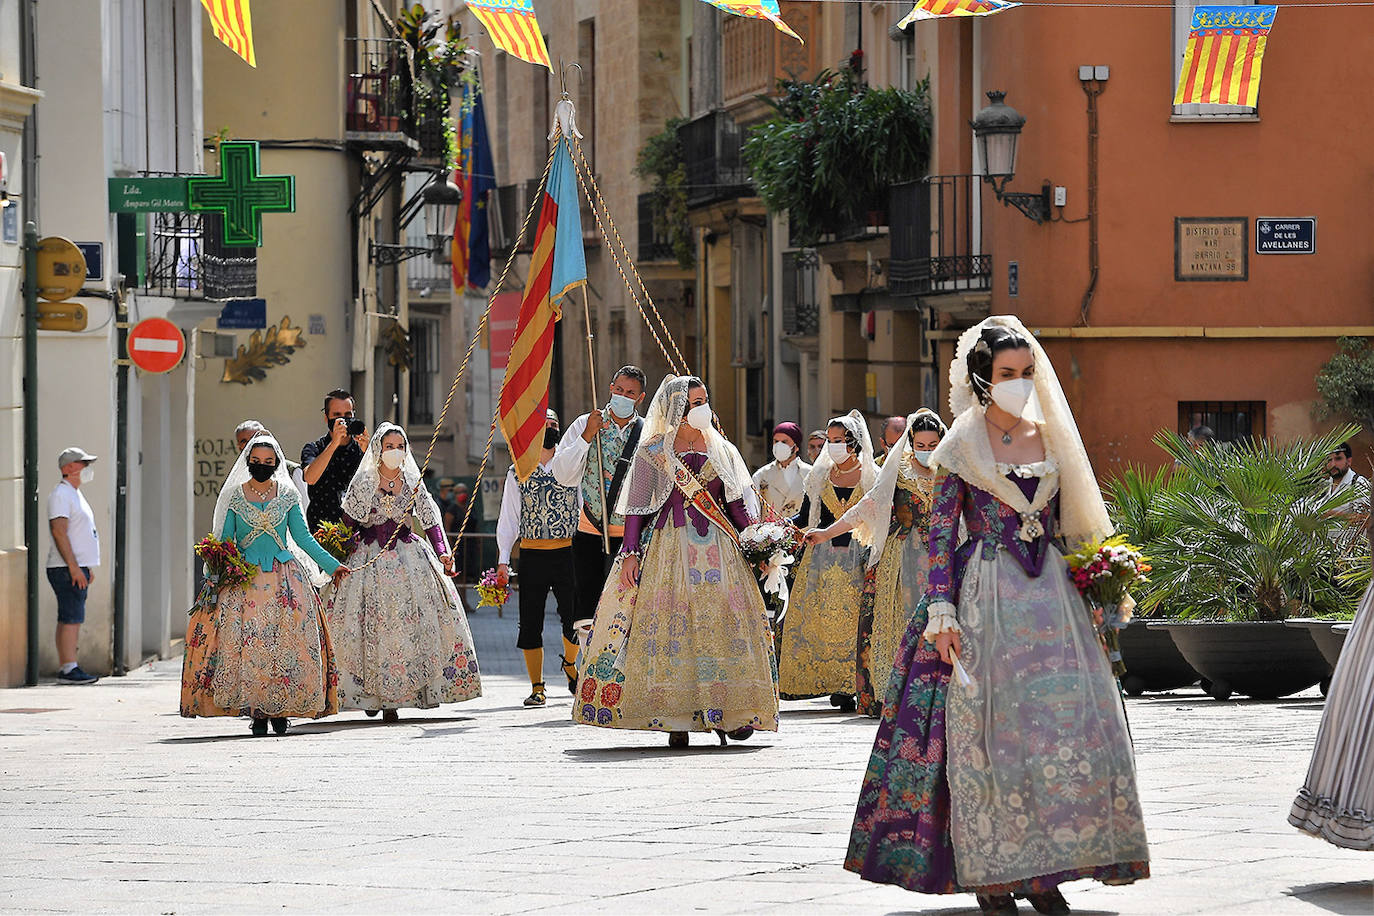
(156, 345)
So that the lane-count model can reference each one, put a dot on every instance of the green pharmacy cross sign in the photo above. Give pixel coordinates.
(241, 195)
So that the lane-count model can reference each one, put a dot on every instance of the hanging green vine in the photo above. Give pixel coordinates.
(661, 162)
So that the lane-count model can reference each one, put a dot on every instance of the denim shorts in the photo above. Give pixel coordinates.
(71, 601)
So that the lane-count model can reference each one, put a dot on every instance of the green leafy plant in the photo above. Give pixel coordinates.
(834, 148)
(441, 61)
(1346, 382)
(660, 161)
(1243, 531)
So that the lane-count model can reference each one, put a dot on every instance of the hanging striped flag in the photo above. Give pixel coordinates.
(1221, 63)
(232, 24)
(949, 9)
(757, 9)
(513, 28)
(557, 267)
(476, 176)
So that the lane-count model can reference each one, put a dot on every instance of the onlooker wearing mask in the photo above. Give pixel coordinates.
(600, 473)
(244, 433)
(445, 501)
(814, 443)
(782, 481)
(75, 551)
(889, 436)
(331, 460)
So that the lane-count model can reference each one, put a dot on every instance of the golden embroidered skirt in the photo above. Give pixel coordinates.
(821, 626)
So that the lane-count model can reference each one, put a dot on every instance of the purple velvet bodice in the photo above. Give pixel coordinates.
(678, 513)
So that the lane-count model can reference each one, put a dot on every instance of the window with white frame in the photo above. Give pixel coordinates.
(1183, 24)
(907, 77)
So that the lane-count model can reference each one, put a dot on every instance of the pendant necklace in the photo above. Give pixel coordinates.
(1006, 433)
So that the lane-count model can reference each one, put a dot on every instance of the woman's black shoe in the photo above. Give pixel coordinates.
(371, 713)
(390, 715)
(259, 728)
(677, 740)
(1051, 903)
(843, 702)
(997, 904)
(569, 672)
(279, 725)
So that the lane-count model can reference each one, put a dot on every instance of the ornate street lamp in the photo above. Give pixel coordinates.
(997, 128)
(439, 199)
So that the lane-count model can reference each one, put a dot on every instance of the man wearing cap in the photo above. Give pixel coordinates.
(782, 481)
(542, 514)
(75, 551)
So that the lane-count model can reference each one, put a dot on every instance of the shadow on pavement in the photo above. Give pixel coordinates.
(1351, 898)
(349, 724)
(605, 754)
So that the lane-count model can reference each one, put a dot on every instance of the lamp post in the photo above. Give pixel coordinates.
(439, 199)
(997, 128)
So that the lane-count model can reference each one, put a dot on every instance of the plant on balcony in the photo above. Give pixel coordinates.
(1346, 383)
(661, 162)
(834, 148)
(441, 63)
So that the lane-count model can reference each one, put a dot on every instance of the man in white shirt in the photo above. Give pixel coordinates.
(782, 481)
(75, 551)
(1338, 468)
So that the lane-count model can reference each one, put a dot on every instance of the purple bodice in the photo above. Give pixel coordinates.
(677, 513)
(380, 534)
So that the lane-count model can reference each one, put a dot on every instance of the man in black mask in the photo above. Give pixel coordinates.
(331, 460)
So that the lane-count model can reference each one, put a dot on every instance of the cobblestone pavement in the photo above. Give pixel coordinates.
(113, 803)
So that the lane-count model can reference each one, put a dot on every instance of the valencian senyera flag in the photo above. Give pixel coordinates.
(950, 9)
(513, 28)
(232, 24)
(476, 177)
(557, 267)
(1221, 63)
(757, 9)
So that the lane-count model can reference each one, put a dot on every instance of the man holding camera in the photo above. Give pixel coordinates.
(331, 460)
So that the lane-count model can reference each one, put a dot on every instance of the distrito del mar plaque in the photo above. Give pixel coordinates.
(1211, 248)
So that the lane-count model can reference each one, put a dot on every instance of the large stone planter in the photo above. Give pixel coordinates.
(1152, 660)
(1264, 660)
(1329, 635)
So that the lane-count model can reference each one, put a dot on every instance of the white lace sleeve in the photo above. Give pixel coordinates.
(943, 619)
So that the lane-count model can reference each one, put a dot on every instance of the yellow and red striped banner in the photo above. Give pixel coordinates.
(1221, 63)
(513, 28)
(232, 24)
(949, 9)
(757, 9)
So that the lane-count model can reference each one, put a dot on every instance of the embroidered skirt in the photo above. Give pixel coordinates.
(891, 592)
(820, 628)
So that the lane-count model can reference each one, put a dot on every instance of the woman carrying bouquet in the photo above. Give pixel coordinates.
(893, 522)
(1017, 775)
(816, 652)
(680, 642)
(260, 648)
(401, 638)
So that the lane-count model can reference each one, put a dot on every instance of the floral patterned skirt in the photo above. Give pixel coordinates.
(891, 592)
(401, 638)
(819, 630)
(689, 649)
(262, 648)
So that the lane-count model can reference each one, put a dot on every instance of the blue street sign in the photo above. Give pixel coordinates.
(243, 313)
(1286, 235)
(95, 259)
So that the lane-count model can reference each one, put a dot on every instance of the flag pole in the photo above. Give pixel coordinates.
(600, 453)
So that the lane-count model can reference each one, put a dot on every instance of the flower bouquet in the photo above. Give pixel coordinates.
(492, 591)
(337, 538)
(225, 567)
(771, 547)
(1104, 572)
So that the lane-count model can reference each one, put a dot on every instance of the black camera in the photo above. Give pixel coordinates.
(356, 427)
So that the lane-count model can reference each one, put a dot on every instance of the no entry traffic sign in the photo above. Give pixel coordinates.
(156, 345)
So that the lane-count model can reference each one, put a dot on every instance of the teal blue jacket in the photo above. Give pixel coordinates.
(264, 550)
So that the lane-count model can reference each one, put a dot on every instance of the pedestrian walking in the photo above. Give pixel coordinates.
(330, 461)
(72, 558)
(782, 481)
(1017, 775)
(819, 630)
(680, 642)
(889, 435)
(815, 444)
(595, 454)
(401, 638)
(541, 514)
(261, 649)
(892, 522)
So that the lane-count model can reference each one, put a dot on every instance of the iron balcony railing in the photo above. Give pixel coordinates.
(711, 156)
(801, 305)
(937, 237)
(654, 241)
(380, 88)
(186, 256)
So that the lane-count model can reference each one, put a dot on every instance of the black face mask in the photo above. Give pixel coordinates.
(261, 472)
(550, 438)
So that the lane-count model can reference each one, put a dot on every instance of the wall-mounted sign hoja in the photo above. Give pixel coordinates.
(241, 194)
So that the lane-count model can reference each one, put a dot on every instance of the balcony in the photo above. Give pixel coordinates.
(654, 242)
(379, 93)
(711, 154)
(188, 260)
(937, 237)
(754, 57)
(801, 305)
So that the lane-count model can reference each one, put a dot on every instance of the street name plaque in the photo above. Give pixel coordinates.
(1211, 248)
(1286, 235)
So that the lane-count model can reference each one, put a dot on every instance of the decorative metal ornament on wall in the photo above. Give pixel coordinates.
(262, 352)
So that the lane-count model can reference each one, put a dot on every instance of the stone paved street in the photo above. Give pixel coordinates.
(111, 802)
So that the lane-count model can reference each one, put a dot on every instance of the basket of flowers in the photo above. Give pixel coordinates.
(492, 589)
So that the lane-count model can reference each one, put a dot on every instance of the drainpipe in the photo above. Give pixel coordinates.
(31, 441)
(121, 540)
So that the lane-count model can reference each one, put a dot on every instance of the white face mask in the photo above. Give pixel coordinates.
(1012, 396)
(87, 474)
(838, 451)
(622, 406)
(394, 457)
(923, 457)
(699, 417)
(782, 451)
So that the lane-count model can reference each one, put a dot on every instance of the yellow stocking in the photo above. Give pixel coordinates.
(570, 650)
(534, 664)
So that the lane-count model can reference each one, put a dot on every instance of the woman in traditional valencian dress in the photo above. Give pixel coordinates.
(262, 649)
(1336, 803)
(401, 638)
(816, 652)
(893, 523)
(1016, 775)
(680, 642)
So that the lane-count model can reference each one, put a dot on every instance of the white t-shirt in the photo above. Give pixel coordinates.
(66, 501)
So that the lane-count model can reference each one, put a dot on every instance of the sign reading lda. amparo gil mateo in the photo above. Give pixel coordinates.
(148, 195)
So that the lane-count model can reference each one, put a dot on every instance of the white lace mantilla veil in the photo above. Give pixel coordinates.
(967, 452)
(872, 517)
(820, 471)
(649, 482)
(357, 501)
(231, 496)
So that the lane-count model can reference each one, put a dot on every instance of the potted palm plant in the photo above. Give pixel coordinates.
(1249, 537)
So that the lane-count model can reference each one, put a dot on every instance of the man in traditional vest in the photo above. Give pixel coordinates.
(600, 473)
(542, 514)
